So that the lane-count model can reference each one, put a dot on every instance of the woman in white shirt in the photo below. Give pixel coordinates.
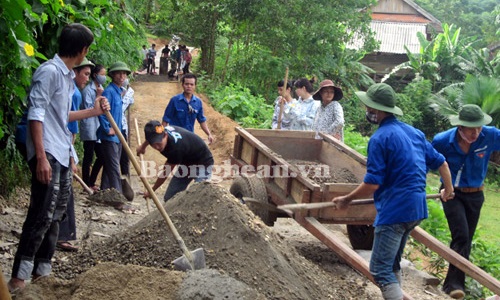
(303, 112)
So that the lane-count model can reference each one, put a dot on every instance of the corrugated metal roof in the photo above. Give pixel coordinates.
(400, 18)
(394, 36)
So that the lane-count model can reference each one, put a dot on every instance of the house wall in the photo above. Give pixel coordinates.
(393, 6)
(383, 63)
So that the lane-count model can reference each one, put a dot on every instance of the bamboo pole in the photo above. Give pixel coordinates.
(280, 116)
(141, 157)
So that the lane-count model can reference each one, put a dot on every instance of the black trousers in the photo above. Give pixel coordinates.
(124, 160)
(462, 213)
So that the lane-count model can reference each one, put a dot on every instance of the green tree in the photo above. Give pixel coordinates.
(31, 29)
(475, 17)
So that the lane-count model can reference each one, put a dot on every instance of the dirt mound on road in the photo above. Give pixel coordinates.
(235, 242)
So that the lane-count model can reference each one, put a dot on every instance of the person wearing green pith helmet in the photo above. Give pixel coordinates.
(110, 144)
(467, 148)
(398, 159)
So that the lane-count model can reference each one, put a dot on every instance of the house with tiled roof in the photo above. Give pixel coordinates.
(396, 23)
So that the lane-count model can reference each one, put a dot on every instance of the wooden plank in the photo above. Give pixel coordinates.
(237, 146)
(289, 144)
(344, 148)
(246, 152)
(457, 260)
(346, 253)
(255, 153)
(331, 190)
(250, 142)
(339, 158)
(298, 190)
(277, 195)
(327, 204)
(301, 134)
(294, 148)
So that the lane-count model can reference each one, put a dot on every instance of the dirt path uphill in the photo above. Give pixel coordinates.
(152, 94)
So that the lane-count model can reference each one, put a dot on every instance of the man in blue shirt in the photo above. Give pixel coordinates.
(183, 110)
(467, 149)
(399, 157)
(49, 150)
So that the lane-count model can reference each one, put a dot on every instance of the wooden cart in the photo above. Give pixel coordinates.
(267, 178)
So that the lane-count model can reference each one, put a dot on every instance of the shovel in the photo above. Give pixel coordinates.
(191, 260)
(319, 205)
(140, 156)
(83, 184)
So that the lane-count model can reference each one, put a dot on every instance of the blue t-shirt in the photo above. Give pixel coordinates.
(399, 157)
(475, 162)
(114, 96)
(183, 114)
(21, 128)
(75, 105)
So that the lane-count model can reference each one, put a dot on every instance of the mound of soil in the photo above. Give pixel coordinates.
(235, 242)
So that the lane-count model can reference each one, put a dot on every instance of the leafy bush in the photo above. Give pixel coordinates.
(239, 104)
(355, 140)
(14, 169)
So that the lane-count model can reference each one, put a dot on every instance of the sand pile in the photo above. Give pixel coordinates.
(236, 243)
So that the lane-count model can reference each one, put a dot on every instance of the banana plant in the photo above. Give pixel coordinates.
(483, 91)
(443, 60)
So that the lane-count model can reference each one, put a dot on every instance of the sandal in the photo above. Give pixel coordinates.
(14, 288)
(66, 246)
(126, 208)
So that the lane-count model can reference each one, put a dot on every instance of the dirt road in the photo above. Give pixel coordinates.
(127, 256)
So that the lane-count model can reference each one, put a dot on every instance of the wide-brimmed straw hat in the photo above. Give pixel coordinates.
(118, 66)
(326, 83)
(380, 96)
(470, 115)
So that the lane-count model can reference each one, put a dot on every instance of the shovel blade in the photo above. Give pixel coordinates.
(183, 264)
(128, 192)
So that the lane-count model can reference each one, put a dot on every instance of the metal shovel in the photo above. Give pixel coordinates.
(191, 260)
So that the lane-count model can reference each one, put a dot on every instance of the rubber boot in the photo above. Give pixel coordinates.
(392, 291)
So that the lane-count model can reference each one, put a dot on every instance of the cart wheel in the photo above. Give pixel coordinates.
(253, 187)
(360, 236)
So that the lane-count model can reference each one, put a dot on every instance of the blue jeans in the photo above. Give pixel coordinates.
(388, 246)
(181, 179)
(41, 226)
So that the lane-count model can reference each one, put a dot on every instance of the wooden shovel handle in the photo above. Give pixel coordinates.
(164, 214)
(84, 185)
(280, 116)
(320, 205)
(141, 157)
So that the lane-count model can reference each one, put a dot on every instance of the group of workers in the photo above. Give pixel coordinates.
(399, 157)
